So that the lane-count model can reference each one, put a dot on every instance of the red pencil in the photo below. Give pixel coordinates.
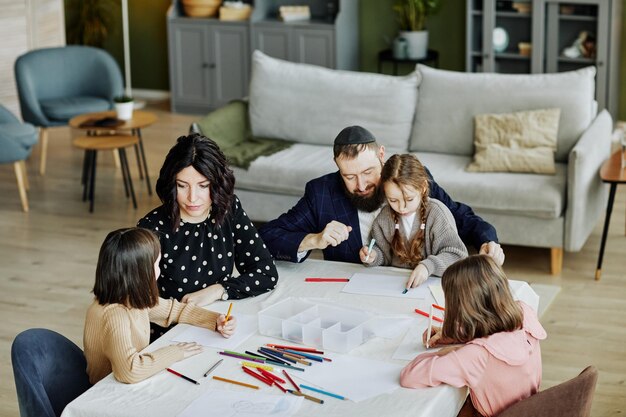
(257, 376)
(425, 314)
(301, 349)
(326, 279)
(439, 307)
(270, 375)
(182, 376)
(291, 380)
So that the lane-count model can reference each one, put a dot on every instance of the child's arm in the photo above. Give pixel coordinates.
(167, 312)
(459, 368)
(446, 247)
(128, 365)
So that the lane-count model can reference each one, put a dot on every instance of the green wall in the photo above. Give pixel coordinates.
(148, 40)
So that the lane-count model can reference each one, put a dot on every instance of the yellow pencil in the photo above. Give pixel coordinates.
(230, 307)
(243, 384)
(257, 365)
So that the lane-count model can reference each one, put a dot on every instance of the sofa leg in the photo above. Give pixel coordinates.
(556, 261)
(43, 139)
(19, 173)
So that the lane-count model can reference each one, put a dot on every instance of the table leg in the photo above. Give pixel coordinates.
(134, 132)
(145, 164)
(92, 180)
(605, 231)
(119, 153)
(83, 177)
(126, 170)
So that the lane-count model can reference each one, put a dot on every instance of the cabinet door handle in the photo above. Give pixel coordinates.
(207, 65)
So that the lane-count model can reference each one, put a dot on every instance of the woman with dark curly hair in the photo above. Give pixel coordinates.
(204, 231)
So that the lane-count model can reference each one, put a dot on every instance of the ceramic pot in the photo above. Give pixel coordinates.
(124, 110)
(417, 44)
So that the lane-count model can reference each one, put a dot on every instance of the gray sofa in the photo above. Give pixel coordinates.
(430, 113)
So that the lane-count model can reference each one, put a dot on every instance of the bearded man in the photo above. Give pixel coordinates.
(337, 210)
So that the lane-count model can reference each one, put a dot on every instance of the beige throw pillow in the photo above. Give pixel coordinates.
(516, 142)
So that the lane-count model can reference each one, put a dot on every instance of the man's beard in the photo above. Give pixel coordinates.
(369, 203)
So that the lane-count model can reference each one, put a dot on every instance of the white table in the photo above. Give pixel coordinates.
(166, 395)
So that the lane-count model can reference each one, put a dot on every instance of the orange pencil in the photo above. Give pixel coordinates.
(231, 381)
(230, 307)
(425, 314)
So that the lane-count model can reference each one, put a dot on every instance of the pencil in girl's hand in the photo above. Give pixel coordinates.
(430, 327)
(230, 307)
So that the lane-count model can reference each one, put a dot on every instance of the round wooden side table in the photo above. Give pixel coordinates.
(612, 172)
(140, 119)
(91, 145)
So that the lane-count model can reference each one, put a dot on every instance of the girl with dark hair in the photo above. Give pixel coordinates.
(204, 231)
(412, 230)
(500, 359)
(126, 301)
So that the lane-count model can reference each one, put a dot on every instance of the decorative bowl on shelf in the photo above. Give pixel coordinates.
(201, 8)
(500, 39)
(235, 11)
(525, 48)
(523, 7)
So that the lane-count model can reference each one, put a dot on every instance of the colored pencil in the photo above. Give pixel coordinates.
(182, 376)
(291, 380)
(369, 249)
(306, 355)
(230, 307)
(404, 291)
(326, 279)
(238, 356)
(299, 348)
(308, 397)
(213, 367)
(430, 326)
(277, 353)
(280, 387)
(270, 375)
(425, 314)
(321, 391)
(257, 376)
(247, 355)
(232, 381)
(269, 357)
(256, 365)
(439, 307)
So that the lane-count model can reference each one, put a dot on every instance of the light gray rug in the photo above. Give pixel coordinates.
(547, 294)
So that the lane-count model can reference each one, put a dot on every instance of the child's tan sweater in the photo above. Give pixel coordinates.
(115, 334)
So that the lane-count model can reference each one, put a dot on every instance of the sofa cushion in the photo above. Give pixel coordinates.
(448, 102)
(515, 142)
(64, 108)
(532, 195)
(310, 104)
(288, 171)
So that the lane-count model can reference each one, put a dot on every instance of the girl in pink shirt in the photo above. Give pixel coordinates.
(500, 359)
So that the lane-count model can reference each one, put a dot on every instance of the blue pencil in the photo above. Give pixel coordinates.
(306, 355)
(323, 392)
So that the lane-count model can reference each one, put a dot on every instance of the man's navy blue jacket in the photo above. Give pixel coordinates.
(325, 200)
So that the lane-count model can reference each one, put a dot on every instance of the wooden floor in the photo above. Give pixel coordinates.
(48, 258)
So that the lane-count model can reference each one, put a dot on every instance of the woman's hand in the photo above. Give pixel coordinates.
(226, 328)
(189, 348)
(363, 255)
(205, 296)
(436, 337)
(418, 276)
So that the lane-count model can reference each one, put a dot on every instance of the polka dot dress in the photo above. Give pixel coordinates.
(197, 255)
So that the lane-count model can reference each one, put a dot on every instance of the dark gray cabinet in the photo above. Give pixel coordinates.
(305, 43)
(209, 59)
(550, 27)
(209, 63)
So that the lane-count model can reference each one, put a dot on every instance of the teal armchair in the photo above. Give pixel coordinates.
(16, 141)
(56, 84)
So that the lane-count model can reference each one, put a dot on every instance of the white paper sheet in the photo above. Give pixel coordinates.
(437, 291)
(355, 378)
(412, 344)
(242, 404)
(387, 285)
(247, 325)
(389, 327)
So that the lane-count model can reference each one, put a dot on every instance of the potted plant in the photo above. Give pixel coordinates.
(124, 107)
(412, 16)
